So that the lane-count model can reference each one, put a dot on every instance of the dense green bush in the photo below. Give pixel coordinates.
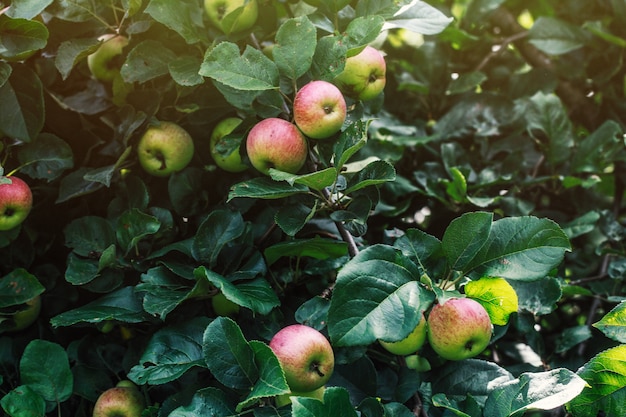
(495, 151)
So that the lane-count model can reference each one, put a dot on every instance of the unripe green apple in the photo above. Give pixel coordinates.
(26, 316)
(459, 328)
(232, 16)
(222, 306)
(276, 143)
(410, 344)
(305, 355)
(417, 363)
(165, 148)
(102, 63)
(231, 162)
(285, 399)
(123, 400)
(319, 109)
(364, 75)
(16, 201)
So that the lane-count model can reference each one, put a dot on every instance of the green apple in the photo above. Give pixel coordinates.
(102, 63)
(459, 328)
(305, 356)
(165, 148)
(364, 75)
(417, 363)
(276, 143)
(232, 16)
(16, 201)
(231, 162)
(410, 344)
(222, 306)
(23, 318)
(285, 399)
(123, 400)
(319, 109)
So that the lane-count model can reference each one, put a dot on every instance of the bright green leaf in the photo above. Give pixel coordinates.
(613, 324)
(496, 295)
(419, 16)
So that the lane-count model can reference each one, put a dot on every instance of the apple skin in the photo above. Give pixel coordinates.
(165, 148)
(99, 62)
(27, 316)
(217, 10)
(123, 400)
(276, 143)
(459, 328)
(364, 75)
(305, 355)
(232, 162)
(319, 109)
(16, 201)
(222, 306)
(285, 399)
(410, 344)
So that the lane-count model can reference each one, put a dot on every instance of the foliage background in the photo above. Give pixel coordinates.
(500, 136)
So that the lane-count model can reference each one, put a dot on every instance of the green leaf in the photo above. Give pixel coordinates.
(133, 226)
(470, 377)
(419, 16)
(256, 295)
(18, 287)
(423, 249)
(24, 401)
(5, 72)
(250, 71)
(21, 105)
(75, 185)
(329, 59)
(291, 218)
(219, 229)
(360, 32)
(71, 52)
(534, 391)
(605, 393)
(316, 180)
(89, 234)
(540, 296)
(572, 337)
(146, 61)
(265, 188)
(457, 187)
(296, 40)
(271, 380)
(45, 368)
(178, 16)
(163, 290)
(228, 355)
(27, 9)
(21, 37)
(207, 402)
(374, 173)
(581, 225)
(336, 403)
(121, 305)
(317, 247)
(595, 152)
(350, 141)
(613, 324)
(377, 296)
(464, 238)
(521, 248)
(496, 295)
(170, 353)
(466, 82)
(599, 29)
(555, 36)
(184, 70)
(47, 157)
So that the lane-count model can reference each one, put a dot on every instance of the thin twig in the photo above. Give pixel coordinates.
(501, 47)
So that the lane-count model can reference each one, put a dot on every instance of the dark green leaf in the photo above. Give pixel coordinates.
(228, 355)
(45, 368)
(170, 353)
(47, 157)
(318, 248)
(265, 188)
(21, 105)
(292, 218)
(18, 287)
(24, 401)
(351, 139)
(177, 16)
(464, 237)
(163, 291)
(21, 37)
(27, 9)
(555, 36)
(184, 70)
(133, 226)
(146, 61)
(374, 173)
(539, 296)
(207, 402)
(88, 235)
(295, 45)
(215, 232)
(71, 52)
(600, 148)
(329, 58)
(336, 403)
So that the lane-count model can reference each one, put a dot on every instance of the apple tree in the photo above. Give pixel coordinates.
(431, 189)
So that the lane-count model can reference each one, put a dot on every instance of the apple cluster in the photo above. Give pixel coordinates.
(457, 328)
(319, 112)
(307, 359)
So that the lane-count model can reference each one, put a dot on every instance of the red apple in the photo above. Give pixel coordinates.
(276, 143)
(459, 328)
(123, 400)
(16, 201)
(364, 75)
(305, 355)
(319, 109)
